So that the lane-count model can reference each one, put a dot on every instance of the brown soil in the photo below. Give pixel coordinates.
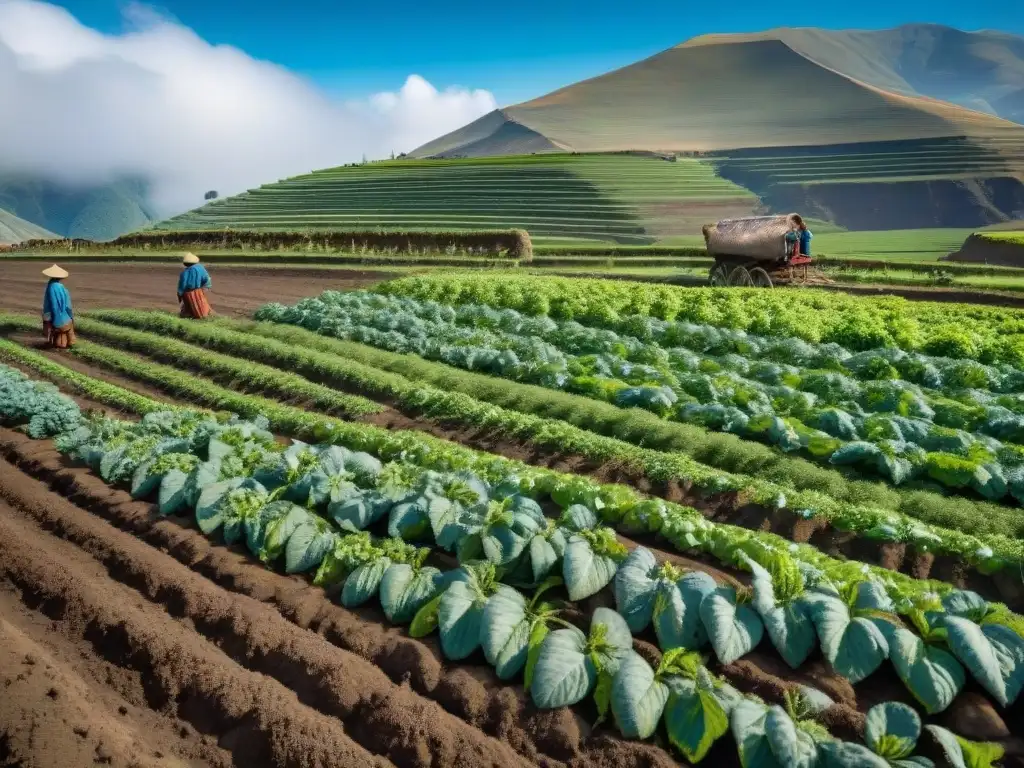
(468, 691)
(237, 291)
(348, 665)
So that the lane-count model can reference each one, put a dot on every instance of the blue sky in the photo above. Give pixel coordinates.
(516, 50)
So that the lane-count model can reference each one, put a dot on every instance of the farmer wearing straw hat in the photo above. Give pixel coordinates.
(58, 319)
(192, 286)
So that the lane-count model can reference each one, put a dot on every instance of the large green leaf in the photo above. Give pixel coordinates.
(791, 746)
(505, 631)
(768, 738)
(405, 589)
(734, 630)
(845, 754)
(501, 544)
(279, 530)
(460, 616)
(677, 612)
(930, 673)
(585, 572)
(173, 496)
(408, 520)
(308, 545)
(564, 674)
(578, 518)
(993, 654)
(256, 526)
(789, 625)
(210, 509)
(892, 730)
(360, 510)
(543, 556)
(637, 698)
(855, 647)
(610, 639)
(363, 582)
(635, 589)
(444, 517)
(695, 716)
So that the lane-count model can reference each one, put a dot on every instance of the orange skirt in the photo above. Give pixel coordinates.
(60, 338)
(194, 304)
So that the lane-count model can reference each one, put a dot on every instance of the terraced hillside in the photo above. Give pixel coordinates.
(621, 198)
(941, 182)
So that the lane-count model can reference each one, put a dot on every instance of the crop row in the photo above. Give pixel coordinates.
(292, 355)
(768, 473)
(683, 527)
(506, 243)
(960, 331)
(882, 425)
(242, 483)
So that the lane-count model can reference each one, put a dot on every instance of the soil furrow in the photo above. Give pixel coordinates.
(472, 693)
(255, 718)
(383, 717)
(58, 711)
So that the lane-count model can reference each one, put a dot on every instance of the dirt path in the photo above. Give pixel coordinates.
(237, 291)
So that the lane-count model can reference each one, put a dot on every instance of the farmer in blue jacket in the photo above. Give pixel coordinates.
(58, 317)
(192, 286)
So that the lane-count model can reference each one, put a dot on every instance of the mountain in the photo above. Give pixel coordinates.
(94, 212)
(781, 88)
(983, 71)
(15, 230)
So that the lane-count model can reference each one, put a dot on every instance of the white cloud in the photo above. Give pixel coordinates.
(158, 100)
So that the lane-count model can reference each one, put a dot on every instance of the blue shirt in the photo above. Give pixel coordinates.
(57, 304)
(193, 277)
(805, 242)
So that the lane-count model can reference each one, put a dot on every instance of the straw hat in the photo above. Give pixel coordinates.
(55, 271)
(190, 258)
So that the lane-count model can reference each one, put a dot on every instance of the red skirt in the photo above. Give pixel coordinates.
(60, 338)
(195, 305)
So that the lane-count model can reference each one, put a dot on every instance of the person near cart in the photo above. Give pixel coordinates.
(805, 239)
(58, 316)
(193, 284)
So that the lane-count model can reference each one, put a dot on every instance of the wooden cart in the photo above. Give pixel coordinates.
(753, 253)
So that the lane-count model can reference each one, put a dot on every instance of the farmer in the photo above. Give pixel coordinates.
(805, 240)
(58, 319)
(192, 286)
(793, 237)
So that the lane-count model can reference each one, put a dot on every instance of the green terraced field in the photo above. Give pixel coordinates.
(557, 198)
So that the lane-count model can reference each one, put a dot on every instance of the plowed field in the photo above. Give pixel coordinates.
(133, 638)
(236, 290)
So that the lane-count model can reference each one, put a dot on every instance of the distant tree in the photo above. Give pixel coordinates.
(392, 154)
(211, 195)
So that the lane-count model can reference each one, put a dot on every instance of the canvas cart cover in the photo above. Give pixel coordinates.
(761, 238)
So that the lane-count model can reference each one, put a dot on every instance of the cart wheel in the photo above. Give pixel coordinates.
(718, 276)
(740, 278)
(760, 278)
